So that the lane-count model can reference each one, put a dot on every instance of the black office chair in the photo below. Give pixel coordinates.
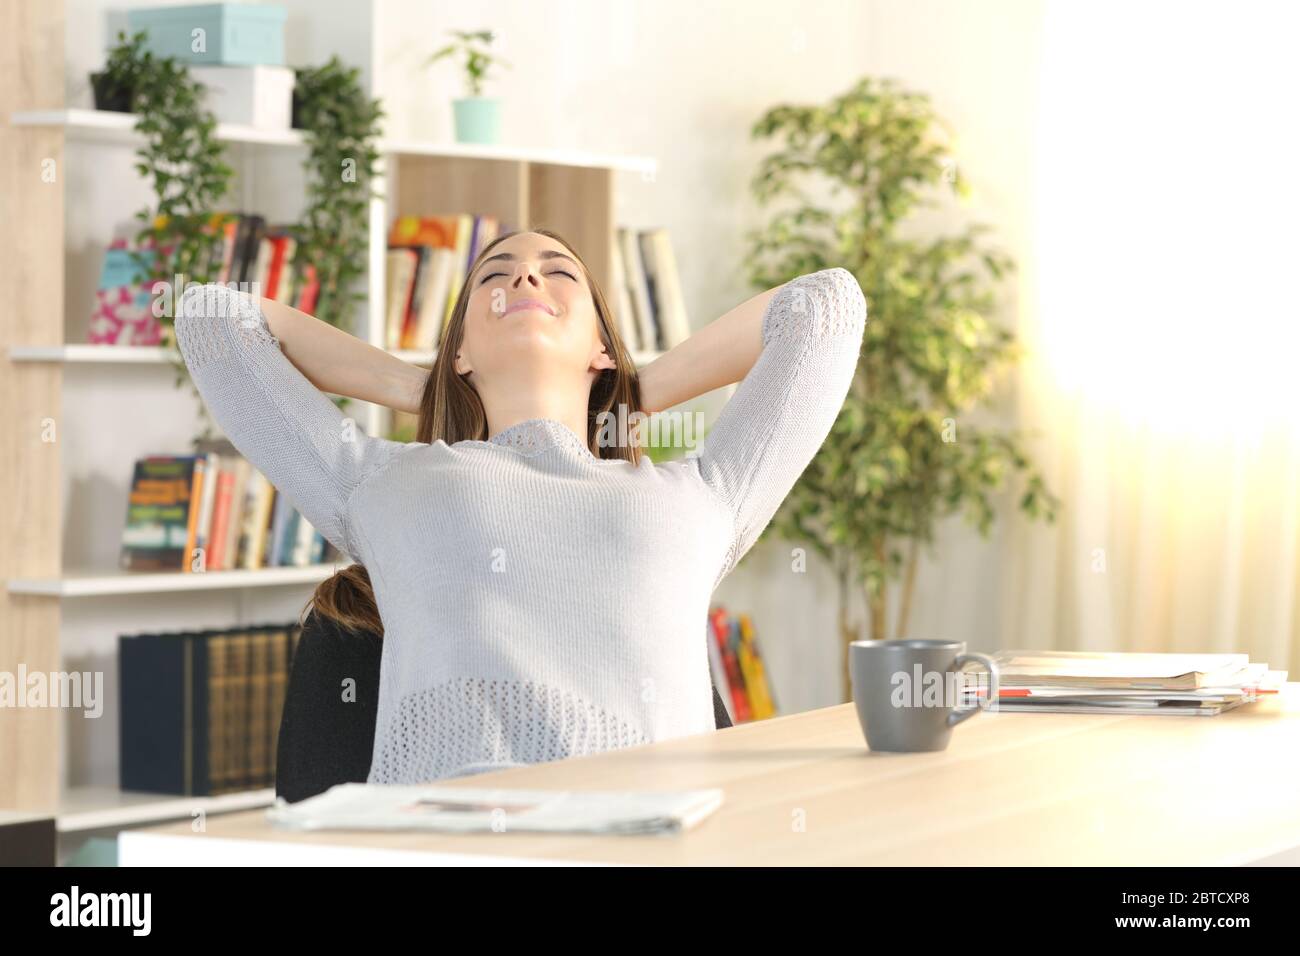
(325, 740)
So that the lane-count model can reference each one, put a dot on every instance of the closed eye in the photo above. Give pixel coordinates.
(556, 272)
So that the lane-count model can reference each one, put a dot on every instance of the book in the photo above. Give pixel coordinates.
(638, 289)
(753, 670)
(1132, 671)
(1085, 682)
(669, 306)
(737, 666)
(430, 807)
(203, 527)
(421, 294)
(164, 714)
(161, 514)
(620, 300)
(213, 511)
(123, 312)
(400, 277)
(195, 514)
(201, 710)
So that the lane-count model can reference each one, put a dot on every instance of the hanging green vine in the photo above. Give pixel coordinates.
(183, 161)
(340, 124)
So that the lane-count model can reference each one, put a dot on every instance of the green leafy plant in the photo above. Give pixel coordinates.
(115, 85)
(904, 451)
(340, 125)
(479, 59)
(184, 163)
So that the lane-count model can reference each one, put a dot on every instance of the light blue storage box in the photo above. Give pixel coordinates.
(234, 34)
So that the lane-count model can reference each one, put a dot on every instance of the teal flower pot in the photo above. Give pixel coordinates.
(478, 119)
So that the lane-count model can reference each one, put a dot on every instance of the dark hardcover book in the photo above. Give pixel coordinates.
(218, 722)
(239, 247)
(259, 714)
(278, 684)
(164, 713)
(237, 710)
(644, 240)
(252, 243)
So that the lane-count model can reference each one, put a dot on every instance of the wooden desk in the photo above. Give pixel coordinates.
(1052, 789)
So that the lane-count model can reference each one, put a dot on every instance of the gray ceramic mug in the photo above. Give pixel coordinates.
(907, 693)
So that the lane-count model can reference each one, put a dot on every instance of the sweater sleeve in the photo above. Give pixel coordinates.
(782, 411)
(286, 427)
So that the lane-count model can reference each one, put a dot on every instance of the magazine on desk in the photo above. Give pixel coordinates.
(362, 806)
(1083, 682)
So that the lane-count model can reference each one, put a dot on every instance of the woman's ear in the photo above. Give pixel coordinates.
(460, 365)
(601, 360)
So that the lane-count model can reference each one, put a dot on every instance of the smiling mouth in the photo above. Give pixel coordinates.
(529, 306)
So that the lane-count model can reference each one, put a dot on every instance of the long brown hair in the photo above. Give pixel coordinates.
(451, 411)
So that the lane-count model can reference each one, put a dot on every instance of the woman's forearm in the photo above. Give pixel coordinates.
(719, 354)
(342, 364)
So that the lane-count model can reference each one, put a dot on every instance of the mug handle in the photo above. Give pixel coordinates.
(959, 714)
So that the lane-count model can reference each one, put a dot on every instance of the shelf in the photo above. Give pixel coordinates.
(112, 354)
(645, 165)
(105, 124)
(93, 808)
(142, 582)
(156, 354)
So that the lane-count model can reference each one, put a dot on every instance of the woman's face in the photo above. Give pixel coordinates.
(530, 307)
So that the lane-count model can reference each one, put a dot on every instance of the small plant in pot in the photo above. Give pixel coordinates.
(115, 86)
(478, 117)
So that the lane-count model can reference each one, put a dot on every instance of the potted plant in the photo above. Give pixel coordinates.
(478, 118)
(115, 86)
(904, 451)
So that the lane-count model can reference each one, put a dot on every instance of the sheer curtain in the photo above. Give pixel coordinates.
(1163, 332)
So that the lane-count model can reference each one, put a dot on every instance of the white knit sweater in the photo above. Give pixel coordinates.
(538, 602)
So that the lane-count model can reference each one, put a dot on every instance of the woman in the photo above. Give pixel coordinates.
(542, 588)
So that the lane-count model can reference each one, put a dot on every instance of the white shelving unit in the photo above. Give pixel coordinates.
(569, 190)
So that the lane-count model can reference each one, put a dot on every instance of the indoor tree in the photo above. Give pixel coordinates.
(903, 452)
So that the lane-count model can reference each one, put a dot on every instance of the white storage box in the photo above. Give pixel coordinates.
(260, 96)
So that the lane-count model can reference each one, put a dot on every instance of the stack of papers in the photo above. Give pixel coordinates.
(1085, 682)
(364, 806)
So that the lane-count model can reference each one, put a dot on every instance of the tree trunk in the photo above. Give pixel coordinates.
(878, 602)
(909, 585)
(848, 629)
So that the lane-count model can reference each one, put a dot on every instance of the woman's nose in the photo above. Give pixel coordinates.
(524, 271)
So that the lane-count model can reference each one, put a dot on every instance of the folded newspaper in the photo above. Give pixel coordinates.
(365, 806)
